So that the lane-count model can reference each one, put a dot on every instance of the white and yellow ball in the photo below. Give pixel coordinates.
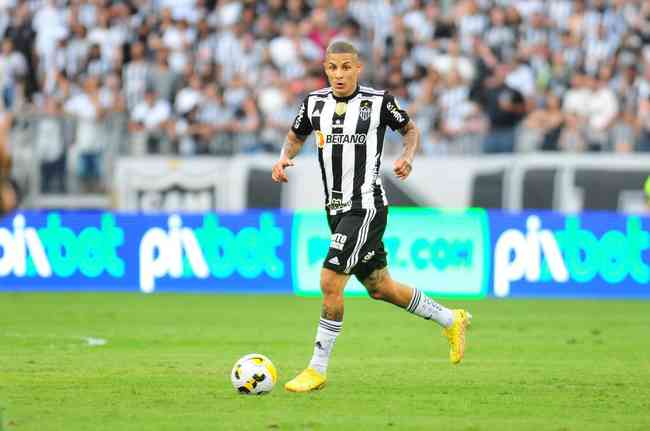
(254, 374)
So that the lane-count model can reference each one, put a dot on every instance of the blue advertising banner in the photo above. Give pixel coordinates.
(446, 253)
(245, 252)
(588, 255)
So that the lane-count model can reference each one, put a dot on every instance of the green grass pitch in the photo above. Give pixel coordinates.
(530, 365)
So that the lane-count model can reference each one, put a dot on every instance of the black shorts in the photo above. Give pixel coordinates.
(356, 246)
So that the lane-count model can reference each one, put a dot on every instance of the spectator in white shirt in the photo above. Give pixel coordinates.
(148, 124)
(603, 111)
(290, 52)
(179, 39)
(454, 60)
(13, 67)
(88, 109)
(108, 37)
(190, 96)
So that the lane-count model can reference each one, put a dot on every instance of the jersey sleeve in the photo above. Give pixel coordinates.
(391, 113)
(301, 124)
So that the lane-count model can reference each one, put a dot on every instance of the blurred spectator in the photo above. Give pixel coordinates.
(23, 36)
(163, 79)
(290, 51)
(321, 33)
(603, 110)
(190, 96)
(96, 64)
(454, 60)
(522, 79)
(115, 122)
(88, 108)
(276, 103)
(216, 119)
(544, 125)
(50, 147)
(148, 122)
(179, 37)
(625, 128)
(505, 107)
(500, 37)
(458, 116)
(643, 144)
(187, 132)
(13, 68)
(108, 38)
(135, 74)
(246, 120)
(76, 50)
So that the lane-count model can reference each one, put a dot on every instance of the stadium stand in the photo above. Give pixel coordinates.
(86, 81)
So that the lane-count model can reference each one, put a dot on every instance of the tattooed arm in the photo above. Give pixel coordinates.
(291, 148)
(403, 165)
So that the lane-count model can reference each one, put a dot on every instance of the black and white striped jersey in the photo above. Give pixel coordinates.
(349, 132)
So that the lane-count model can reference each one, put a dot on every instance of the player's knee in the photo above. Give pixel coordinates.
(376, 293)
(376, 285)
(330, 284)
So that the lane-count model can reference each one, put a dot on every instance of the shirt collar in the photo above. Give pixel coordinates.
(346, 98)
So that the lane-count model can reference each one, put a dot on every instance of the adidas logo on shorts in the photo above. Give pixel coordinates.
(369, 256)
(334, 260)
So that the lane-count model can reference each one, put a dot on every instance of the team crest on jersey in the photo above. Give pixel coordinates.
(364, 113)
(320, 139)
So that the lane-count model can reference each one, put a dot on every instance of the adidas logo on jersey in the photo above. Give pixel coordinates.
(334, 260)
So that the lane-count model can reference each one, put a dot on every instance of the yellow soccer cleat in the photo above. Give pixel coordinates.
(308, 380)
(456, 335)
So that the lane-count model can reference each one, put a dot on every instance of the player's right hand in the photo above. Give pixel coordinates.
(278, 174)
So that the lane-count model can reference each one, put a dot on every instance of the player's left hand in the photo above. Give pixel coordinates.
(402, 168)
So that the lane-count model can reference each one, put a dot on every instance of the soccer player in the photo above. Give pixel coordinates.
(349, 122)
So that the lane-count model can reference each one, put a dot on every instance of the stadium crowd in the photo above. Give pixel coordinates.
(87, 80)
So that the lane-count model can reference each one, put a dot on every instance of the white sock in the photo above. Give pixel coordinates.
(326, 335)
(426, 307)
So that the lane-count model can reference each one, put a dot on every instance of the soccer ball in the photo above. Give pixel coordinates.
(254, 374)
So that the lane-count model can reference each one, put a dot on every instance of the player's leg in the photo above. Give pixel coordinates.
(331, 318)
(380, 285)
(372, 271)
(329, 327)
(346, 241)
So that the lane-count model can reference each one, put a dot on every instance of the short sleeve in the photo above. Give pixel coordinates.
(391, 113)
(301, 124)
